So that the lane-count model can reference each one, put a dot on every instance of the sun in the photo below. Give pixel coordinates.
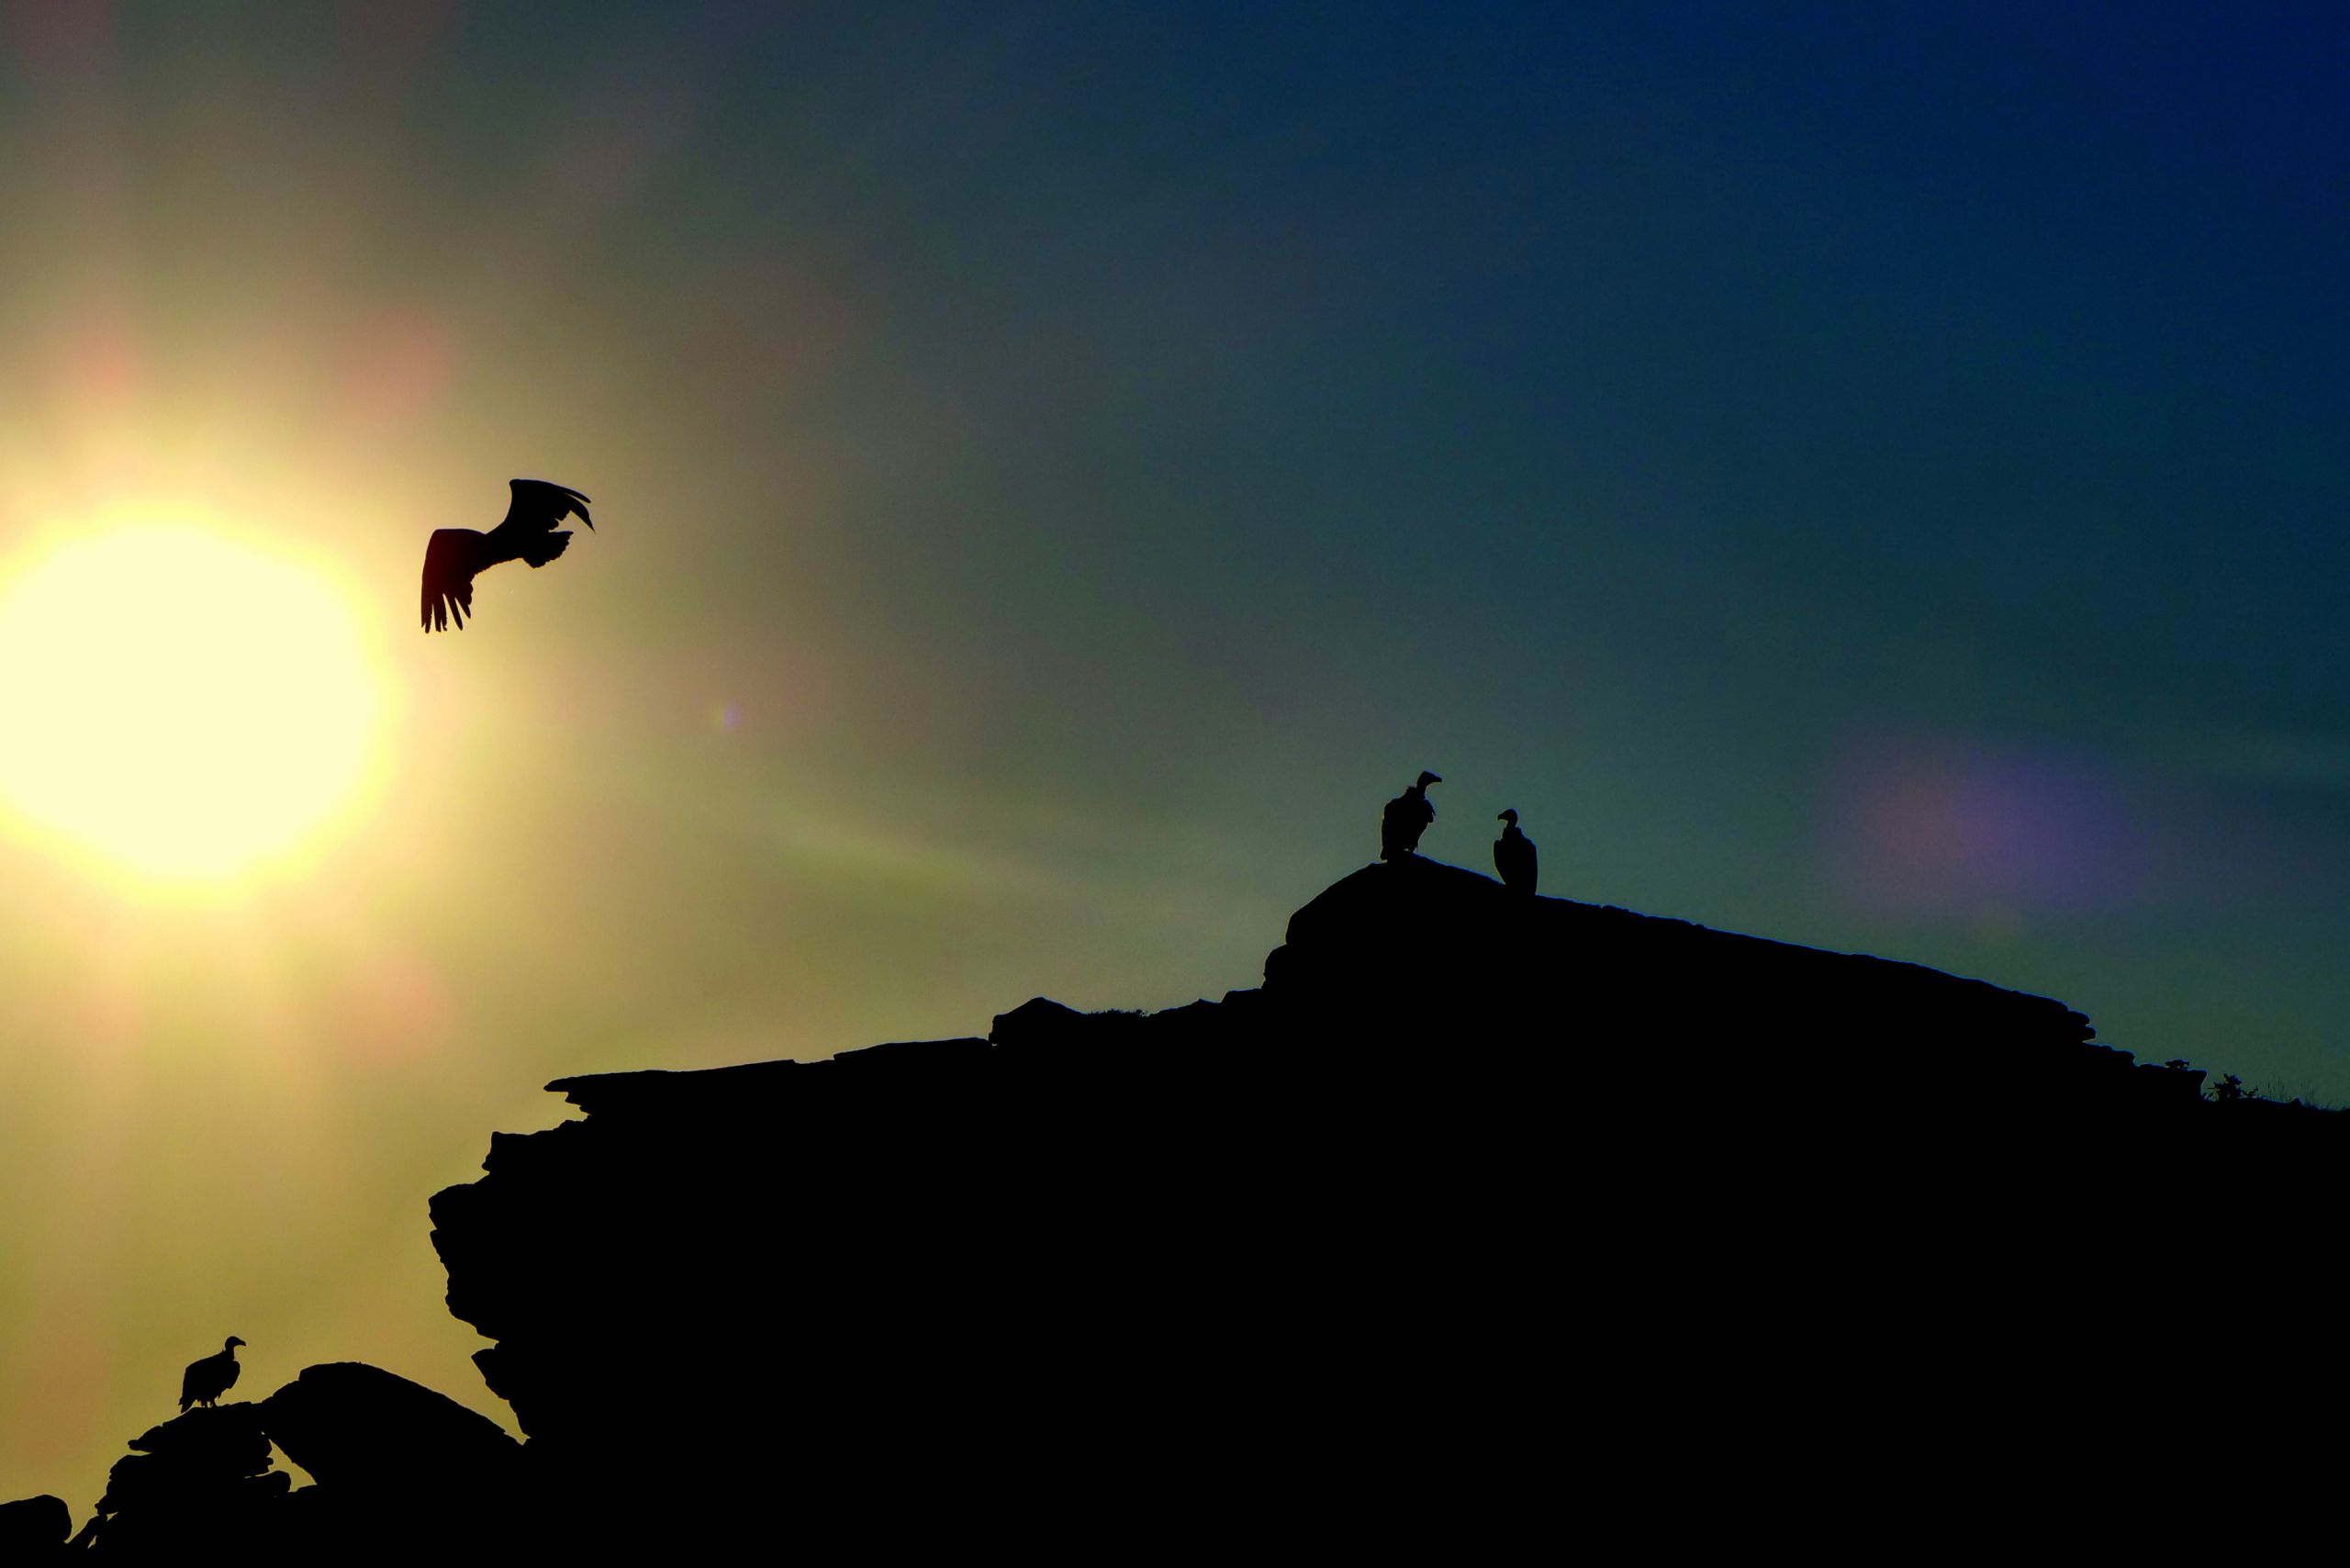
(180, 703)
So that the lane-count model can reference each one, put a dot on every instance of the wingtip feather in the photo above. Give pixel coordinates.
(574, 503)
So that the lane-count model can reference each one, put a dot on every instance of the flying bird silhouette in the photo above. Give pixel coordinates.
(206, 1381)
(457, 555)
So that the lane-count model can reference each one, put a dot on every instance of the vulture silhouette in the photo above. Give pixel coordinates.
(454, 556)
(1515, 858)
(1406, 817)
(206, 1381)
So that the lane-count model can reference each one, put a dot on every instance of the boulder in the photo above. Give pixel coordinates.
(402, 1474)
(352, 1425)
(32, 1526)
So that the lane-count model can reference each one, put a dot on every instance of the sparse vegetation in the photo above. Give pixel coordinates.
(2232, 1089)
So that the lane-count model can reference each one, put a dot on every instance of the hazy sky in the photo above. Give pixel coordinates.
(1871, 478)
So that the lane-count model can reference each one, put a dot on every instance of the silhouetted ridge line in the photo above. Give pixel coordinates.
(1289, 1265)
(1042, 1271)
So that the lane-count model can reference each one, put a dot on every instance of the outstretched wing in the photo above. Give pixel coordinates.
(538, 507)
(449, 565)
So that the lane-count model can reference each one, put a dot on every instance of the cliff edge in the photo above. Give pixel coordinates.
(1278, 1257)
(1483, 1218)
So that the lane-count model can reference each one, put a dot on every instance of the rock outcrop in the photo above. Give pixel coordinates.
(33, 1531)
(400, 1474)
(1322, 1267)
(205, 1475)
(406, 1469)
(353, 1426)
(1271, 1267)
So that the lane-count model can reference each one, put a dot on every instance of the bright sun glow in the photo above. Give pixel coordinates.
(185, 706)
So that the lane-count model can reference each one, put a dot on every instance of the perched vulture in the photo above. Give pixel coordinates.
(206, 1381)
(454, 556)
(1514, 858)
(1406, 817)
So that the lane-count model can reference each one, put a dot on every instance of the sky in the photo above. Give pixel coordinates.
(1867, 476)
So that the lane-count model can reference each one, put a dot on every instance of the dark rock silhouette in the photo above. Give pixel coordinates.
(1289, 1267)
(207, 1380)
(1297, 1238)
(454, 556)
(1405, 818)
(1514, 857)
(400, 1475)
(405, 1470)
(203, 1476)
(820, 1276)
(352, 1426)
(33, 1530)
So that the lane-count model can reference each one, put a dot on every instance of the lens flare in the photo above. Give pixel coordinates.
(183, 705)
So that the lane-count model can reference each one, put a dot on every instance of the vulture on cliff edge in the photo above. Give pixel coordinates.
(206, 1381)
(454, 556)
(1406, 817)
(1515, 858)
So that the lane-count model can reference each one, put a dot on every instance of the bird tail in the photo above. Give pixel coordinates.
(543, 548)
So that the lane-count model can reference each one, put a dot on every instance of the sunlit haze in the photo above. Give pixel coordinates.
(200, 708)
(1869, 476)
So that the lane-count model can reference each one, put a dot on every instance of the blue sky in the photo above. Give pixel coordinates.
(1867, 476)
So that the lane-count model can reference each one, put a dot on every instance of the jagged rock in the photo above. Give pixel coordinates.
(401, 1473)
(871, 1275)
(188, 1454)
(1295, 1267)
(1301, 1235)
(1036, 1277)
(202, 1475)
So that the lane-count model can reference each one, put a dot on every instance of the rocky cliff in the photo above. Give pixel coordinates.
(1476, 1204)
(1278, 1262)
